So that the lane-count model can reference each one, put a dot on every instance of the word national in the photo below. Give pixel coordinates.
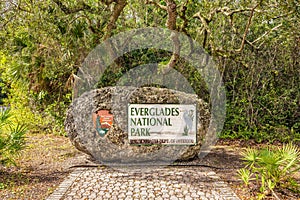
(151, 121)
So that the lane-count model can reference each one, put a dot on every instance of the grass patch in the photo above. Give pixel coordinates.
(39, 169)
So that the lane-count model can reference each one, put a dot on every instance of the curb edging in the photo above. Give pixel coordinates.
(60, 191)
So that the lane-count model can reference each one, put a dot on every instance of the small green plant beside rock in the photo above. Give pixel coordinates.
(271, 169)
(12, 137)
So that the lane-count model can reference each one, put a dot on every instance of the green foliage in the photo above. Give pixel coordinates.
(12, 137)
(157, 58)
(271, 168)
(43, 44)
(263, 97)
(33, 109)
(245, 175)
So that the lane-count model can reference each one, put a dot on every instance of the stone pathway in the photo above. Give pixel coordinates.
(178, 182)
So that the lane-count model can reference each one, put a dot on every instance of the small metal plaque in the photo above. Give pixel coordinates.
(103, 121)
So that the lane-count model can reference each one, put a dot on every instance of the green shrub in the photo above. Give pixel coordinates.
(271, 168)
(12, 137)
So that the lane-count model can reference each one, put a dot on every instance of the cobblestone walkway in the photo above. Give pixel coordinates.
(163, 183)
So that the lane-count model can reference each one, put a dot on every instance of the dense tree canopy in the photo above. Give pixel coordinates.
(256, 45)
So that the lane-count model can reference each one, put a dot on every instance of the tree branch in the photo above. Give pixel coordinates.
(237, 33)
(171, 24)
(182, 15)
(205, 22)
(226, 11)
(247, 28)
(156, 4)
(117, 9)
(266, 33)
(172, 14)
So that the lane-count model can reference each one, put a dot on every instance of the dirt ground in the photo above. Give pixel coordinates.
(48, 159)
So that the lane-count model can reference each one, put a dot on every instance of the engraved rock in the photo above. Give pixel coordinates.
(114, 147)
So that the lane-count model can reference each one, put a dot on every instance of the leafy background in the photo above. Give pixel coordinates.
(256, 45)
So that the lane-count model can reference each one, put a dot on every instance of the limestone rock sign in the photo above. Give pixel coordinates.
(97, 124)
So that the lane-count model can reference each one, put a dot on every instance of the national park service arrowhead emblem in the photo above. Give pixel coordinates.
(103, 121)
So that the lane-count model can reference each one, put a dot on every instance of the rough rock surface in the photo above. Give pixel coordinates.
(115, 147)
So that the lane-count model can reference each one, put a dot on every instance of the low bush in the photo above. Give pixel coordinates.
(271, 168)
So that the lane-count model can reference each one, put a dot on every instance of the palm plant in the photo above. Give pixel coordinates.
(12, 137)
(271, 168)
